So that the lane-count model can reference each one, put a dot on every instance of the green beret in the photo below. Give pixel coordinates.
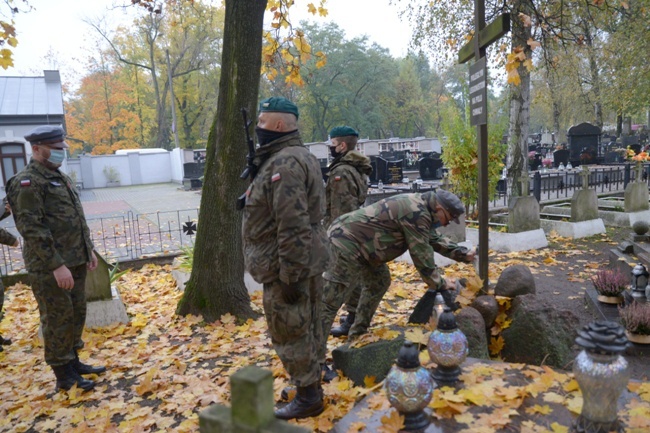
(343, 131)
(278, 104)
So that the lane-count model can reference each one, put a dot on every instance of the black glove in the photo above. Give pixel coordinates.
(290, 292)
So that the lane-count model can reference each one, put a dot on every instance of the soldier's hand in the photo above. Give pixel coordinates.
(92, 265)
(64, 278)
(470, 256)
(290, 292)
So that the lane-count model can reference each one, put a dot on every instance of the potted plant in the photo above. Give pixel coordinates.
(112, 176)
(636, 320)
(610, 285)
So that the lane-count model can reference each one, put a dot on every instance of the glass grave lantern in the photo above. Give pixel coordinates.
(639, 283)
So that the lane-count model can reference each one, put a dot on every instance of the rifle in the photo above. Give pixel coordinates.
(251, 168)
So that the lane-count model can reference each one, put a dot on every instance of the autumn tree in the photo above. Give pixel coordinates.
(189, 32)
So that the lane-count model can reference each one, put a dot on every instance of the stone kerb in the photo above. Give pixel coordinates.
(512, 242)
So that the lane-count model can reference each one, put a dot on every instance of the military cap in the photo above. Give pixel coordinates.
(52, 135)
(343, 131)
(451, 203)
(278, 104)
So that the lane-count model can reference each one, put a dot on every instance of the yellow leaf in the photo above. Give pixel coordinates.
(369, 381)
(558, 428)
(544, 410)
(571, 386)
(416, 335)
(312, 9)
(496, 345)
(392, 423)
(553, 397)
(574, 404)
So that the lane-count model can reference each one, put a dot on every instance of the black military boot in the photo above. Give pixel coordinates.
(67, 377)
(4, 341)
(308, 403)
(329, 374)
(344, 329)
(82, 368)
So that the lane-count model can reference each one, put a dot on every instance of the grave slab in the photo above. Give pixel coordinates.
(512, 376)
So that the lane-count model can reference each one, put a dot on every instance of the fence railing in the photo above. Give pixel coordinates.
(125, 237)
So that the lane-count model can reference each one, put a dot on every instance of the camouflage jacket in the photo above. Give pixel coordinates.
(282, 232)
(383, 231)
(49, 216)
(347, 185)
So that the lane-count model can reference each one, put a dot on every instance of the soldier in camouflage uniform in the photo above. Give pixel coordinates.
(57, 251)
(363, 241)
(6, 238)
(346, 190)
(286, 248)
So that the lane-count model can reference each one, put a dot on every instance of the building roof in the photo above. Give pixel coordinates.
(29, 96)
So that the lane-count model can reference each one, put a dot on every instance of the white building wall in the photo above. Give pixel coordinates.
(156, 167)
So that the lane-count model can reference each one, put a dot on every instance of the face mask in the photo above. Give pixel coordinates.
(333, 152)
(56, 156)
(264, 136)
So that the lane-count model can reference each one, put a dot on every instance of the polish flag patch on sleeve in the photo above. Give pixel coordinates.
(276, 177)
(337, 178)
(25, 182)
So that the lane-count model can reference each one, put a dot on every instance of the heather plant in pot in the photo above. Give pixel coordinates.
(610, 285)
(636, 320)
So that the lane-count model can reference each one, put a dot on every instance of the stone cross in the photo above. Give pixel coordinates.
(251, 390)
(525, 184)
(484, 35)
(585, 176)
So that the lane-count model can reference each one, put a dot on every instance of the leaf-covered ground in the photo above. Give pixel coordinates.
(164, 370)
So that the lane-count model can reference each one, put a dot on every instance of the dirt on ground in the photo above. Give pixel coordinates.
(562, 276)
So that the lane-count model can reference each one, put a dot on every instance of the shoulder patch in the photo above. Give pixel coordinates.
(276, 177)
(25, 182)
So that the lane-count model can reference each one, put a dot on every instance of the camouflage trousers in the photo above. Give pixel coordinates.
(63, 314)
(295, 328)
(344, 276)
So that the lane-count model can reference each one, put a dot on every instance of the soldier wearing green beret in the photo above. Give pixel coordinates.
(286, 249)
(6, 238)
(57, 251)
(364, 241)
(346, 190)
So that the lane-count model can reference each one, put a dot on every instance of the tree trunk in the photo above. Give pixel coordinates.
(517, 160)
(216, 285)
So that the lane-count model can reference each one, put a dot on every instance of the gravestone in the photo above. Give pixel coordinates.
(104, 305)
(584, 143)
(192, 171)
(523, 212)
(389, 171)
(560, 157)
(429, 167)
(636, 193)
(251, 390)
(584, 203)
(374, 359)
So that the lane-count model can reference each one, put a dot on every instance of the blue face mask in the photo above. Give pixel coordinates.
(56, 156)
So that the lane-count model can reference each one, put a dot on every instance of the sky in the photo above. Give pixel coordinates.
(58, 26)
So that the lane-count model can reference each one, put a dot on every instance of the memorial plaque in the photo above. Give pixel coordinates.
(394, 172)
(478, 92)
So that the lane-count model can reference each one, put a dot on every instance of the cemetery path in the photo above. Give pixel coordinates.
(562, 275)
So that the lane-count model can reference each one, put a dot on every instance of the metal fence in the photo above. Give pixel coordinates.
(126, 237)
